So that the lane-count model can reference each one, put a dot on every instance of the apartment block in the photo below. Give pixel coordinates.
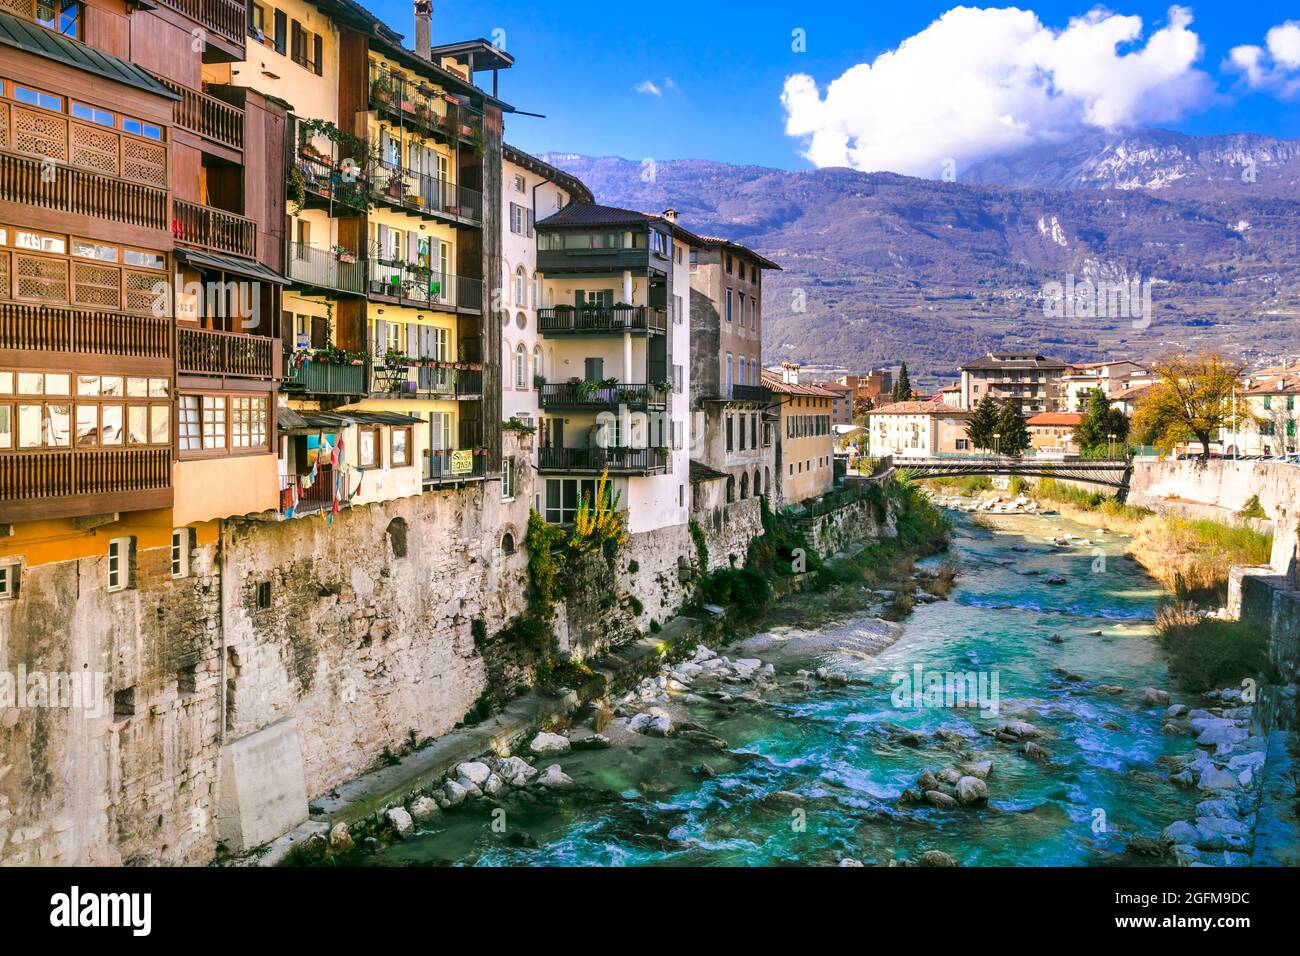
(734, 415)
(805, 447)
(1033, 382)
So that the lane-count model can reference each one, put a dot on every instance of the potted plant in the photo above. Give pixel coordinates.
(342, 255)
(539, 381)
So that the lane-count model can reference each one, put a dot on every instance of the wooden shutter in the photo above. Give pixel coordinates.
(381, 338)
(316, 52)
(579, 298)
(298, 48)
(318, 330)
(281, 24)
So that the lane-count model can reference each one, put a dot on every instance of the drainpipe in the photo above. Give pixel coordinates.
(221, 626)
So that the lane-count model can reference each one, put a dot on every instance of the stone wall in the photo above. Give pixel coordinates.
(1218, 488)
(836, 532)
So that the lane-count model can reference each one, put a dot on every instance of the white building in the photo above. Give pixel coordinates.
(1080, 381)
(918, 430)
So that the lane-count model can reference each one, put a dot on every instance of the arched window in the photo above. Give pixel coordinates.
(731, 489)
(744, 485)
(521, 287)
(521, 366)
(508, 543)
(537, 290)
(539, 368)
(758, 482)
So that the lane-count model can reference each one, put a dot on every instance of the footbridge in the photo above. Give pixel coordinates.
(1109, 473)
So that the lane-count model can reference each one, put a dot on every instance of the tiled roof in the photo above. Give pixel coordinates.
(919, 408)
(586, 214)
(774, 382)
(1059, 419)
(1290, 385)
(702, 472)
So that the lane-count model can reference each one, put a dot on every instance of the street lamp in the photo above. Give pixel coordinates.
(996, 436)
(1110, 445)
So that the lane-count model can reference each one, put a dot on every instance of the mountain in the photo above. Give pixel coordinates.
(1153, 160)
(890, 268)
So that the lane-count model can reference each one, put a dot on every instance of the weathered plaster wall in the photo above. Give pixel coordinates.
(1219, 488)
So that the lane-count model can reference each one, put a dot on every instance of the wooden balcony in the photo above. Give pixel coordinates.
(228, 19)
(65, 483)
(214, 229)
(227, 354)
(206, 115)
(32, 328)
(326, 378)
(81, 192)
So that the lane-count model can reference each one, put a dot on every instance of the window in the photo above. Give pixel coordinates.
(520, 184)
(248, 423)
(678, 311)
(399, 447)
(695, 261)
(281, 28)
(563, 496)
(46, 101)
(92, 114)
(521, 287)
(61, 16)
(368, 448)
(660, 244)
(10, 575)
(507, 478)
(677, 379)
(182, 544)
(121, 563)
(264, 597)
(728, 309)
(521, 367)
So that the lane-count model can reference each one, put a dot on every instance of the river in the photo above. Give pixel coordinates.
(815, 775)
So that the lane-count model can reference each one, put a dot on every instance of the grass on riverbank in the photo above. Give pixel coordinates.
(1209, 654)
(1189, 556)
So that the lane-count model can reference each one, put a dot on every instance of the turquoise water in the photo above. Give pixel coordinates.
(838, 750)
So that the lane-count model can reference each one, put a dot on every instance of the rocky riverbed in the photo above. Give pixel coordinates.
(809, 744)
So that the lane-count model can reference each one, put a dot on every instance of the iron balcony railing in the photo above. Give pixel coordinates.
(410, 379)
(325, 184)
(423, 107)
(622, 461)
(423, 192)
(419, 287)
(326, 269)
(571, 320)
(584, 395)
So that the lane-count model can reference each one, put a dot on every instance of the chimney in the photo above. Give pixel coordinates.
(423, 28)
(671, 215)
(790, 373)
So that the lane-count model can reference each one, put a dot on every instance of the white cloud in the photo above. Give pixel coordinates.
(986, 82)
(1274, 67)
(647, 87)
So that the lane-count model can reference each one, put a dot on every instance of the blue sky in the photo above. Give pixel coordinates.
(720, 73)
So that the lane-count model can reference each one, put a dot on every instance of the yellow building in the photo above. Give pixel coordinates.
(805, 453)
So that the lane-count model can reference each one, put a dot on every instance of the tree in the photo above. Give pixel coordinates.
(1191, 401)
(1102, 425)
(983, 423)
(903, 386)
(862, 408)
(1013, 435)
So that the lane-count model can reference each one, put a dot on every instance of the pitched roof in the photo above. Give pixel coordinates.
(774, 382)
(578, 191)
(702, 472)
(27, 36)
(1059, 419)
(1014, 360)
(920, 408)
(1279, 385)
(588, 214)
(718, 242)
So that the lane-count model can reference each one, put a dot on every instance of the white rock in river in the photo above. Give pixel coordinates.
(655, 722)
(553, 778)
(474, 772)
(545, 743)
(400, 821)
(424, 809)
(511, 767)
(1212, 778)
(971, 790)
(454, 792)
(1155, 698)
(1223, 734)
(850, 862)
(937, 798)
(979, 769)
(341, 838)
(1020, 728)
(1180, 832)
(493, 784)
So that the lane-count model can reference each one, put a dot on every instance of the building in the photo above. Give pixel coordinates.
(1129, 395)
(918, 430)
(1054, 431)
(616, 368)
(1272, 397)
(140, 283)
(951, 396)
(531, 190)
(1032, 381)
(874, 386)
(394, 213)
(733, 414)
(842, 411)
(805, 452)
(1080, 381)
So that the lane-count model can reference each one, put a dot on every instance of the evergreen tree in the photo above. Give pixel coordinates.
(983, 423)
(1013, 435)
(903, 386)
(1100, 422)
